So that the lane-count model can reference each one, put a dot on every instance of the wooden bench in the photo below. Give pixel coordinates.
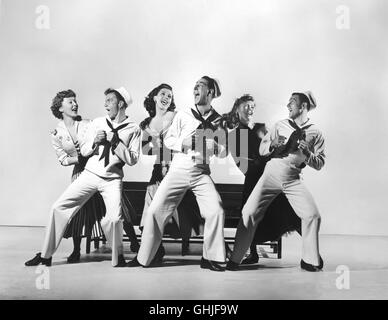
(231, 199)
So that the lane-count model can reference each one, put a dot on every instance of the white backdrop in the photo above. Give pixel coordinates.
(266, 48)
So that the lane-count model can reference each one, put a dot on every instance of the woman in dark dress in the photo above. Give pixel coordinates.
(244, 138)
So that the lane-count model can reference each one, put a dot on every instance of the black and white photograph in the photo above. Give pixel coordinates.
(217, 151)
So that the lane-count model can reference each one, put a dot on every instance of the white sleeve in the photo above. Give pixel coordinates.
(86, 144)
(173, 139)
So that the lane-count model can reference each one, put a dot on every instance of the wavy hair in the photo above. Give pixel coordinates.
(150, 106)
(231, 120)
(57, 102)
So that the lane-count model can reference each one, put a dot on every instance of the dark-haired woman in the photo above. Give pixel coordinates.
(244, 138)
(160, 106)
(65, 140)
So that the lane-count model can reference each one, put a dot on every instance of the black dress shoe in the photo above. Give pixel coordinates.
(133, 263)
(121, 262)
(74, 257)
(135, 247)
(185, 247)
(309, 267)
(38, 260)
(252, 258)
(232, 266)
(211, 265)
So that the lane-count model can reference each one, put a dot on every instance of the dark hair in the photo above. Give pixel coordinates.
(117, 94)
(231, 119)
(57, 102)
(302, 98)
(212, 85)
(150, 106)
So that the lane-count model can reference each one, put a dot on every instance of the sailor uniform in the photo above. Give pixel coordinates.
(282, 174)
(103, 173)
(189, 170)
(86, 223)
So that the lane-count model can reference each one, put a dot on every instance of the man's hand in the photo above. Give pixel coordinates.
(109, 136)
(277, 142)
(100, 137)
(188, 142)
(303, 146)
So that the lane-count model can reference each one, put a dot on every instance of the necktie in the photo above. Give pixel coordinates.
(113, 143)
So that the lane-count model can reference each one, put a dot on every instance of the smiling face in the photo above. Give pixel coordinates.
(294, 107)
(245, 111)
(112, 105)
(163, 99)
(202, 93)
(69, 107)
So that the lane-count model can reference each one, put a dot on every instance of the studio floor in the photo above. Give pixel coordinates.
(180, 278)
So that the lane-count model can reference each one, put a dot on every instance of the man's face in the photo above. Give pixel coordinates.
(294, 107)
(69, 107)
(201, 92)
(111, 105)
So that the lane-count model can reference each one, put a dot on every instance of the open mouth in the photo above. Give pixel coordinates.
(164, 103)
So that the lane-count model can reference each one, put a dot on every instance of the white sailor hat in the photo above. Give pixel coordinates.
(125, 94)
(309, 95)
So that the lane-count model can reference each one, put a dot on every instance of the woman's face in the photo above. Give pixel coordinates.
(163, 99)
(69, 107)
(245, 111)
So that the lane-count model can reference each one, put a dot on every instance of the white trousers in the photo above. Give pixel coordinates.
(178, 180)
(276, 179)
(73, 198)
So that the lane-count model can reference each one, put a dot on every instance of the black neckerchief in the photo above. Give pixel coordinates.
(108, 146)
(205, 123)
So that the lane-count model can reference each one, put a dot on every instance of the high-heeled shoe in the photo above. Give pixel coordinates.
(309, 267)
(74, 257)
(252, 258)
